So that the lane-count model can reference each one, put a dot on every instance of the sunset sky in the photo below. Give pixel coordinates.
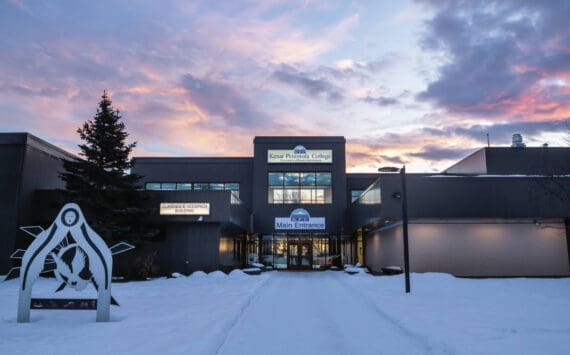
(419, 82)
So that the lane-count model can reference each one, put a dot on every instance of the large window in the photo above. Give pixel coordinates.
(231, 186)
(299, 187)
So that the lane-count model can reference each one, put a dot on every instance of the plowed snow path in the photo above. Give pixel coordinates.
(316, 313)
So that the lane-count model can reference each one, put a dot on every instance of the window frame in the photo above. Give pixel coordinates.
(302, 187)
(233, 186)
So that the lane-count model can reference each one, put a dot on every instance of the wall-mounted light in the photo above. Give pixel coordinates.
(389, 169)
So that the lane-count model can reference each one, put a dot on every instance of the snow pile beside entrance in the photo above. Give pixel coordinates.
(357, 269)
(217, 274)
(198, 274)
(238, 274)
(339, 314)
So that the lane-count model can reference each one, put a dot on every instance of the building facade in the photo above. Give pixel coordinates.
(498, 212)
(293, 206)
(293, 195)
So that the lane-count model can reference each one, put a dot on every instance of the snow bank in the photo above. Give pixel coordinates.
(198, 275)
(238, 274)
(162, 316)
(177, 275)
(217, 274)
(340, 314)
(356, 269)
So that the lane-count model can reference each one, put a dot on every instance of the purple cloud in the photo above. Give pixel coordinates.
(309, 84)
(224, 102)
(437, 153)
(498, 52)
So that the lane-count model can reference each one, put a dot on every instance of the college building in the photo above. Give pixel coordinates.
(502, 211)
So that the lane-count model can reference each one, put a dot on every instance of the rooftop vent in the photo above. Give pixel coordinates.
(518, 141)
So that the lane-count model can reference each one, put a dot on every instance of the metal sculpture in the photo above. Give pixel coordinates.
(76, 262)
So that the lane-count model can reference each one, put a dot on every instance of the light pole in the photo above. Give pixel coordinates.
(404, 204)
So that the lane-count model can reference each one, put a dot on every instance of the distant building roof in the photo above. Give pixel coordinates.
(514, 161)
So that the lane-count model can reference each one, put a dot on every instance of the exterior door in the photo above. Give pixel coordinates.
(300, 255)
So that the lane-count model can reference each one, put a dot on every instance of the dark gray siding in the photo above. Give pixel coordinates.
(528, 161)
(442, 196)
(184, 248)
(359, 181)
(41, 171)
(11, 160)
(191, 243)
(221, 208)
(483, 197)
(181, 170)
(28, 163)
(190, 247)
(265, 213)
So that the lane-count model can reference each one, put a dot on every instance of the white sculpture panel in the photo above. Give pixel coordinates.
(83, 260)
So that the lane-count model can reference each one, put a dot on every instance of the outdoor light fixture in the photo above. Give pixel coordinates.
(402, 195)
(388, 169)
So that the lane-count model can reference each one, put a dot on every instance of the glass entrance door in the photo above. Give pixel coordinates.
(300, 255)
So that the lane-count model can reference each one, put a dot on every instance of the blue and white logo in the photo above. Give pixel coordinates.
(300, 219)
(300, 215)
(300, 150)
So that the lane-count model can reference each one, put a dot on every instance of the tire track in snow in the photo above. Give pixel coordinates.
(288, 288)
(241, 314)
(421, 340)
(334, 323)
(310, 313)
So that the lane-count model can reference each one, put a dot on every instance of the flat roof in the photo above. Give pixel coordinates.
(185, 160)
(25, 138)
(294, 139)
(514, 160)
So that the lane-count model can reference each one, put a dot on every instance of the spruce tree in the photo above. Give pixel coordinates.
(100, 180)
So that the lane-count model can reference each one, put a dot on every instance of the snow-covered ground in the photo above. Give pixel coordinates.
(301, 313)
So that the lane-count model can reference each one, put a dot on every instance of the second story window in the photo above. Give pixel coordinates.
(299, 187)
(197, 186)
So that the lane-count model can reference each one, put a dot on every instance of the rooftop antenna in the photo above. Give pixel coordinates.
(488, 141)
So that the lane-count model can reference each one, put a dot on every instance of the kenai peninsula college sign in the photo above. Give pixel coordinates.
(299, 154)
(300, 220)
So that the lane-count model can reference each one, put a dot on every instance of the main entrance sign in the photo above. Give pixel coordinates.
(299, 154)
(300, 220)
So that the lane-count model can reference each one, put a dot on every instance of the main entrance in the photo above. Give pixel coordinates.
(300, 254)
(303, 251)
